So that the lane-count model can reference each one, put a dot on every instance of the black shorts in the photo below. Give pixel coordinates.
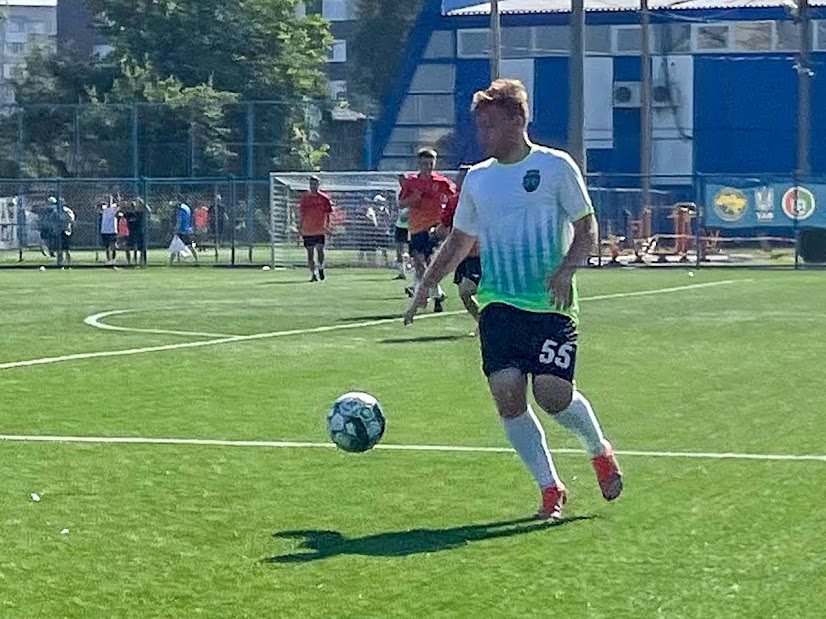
(135, 240)
(187, 239)
(401, 235)
(469, 268)
(313, 240)
(65, 241)
(535, 343)
(423, 242)
(107, 239)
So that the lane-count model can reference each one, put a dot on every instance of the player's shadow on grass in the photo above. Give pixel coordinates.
(375, 317)
(325, 544)
(424, 338)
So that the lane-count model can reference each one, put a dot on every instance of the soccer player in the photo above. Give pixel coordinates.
(469, 272)
(425, 194)
(314, 220)
(529, 210)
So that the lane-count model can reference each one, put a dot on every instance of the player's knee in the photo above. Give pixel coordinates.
(553, 394)
(511, 412)
(466, 290)
(508, 389)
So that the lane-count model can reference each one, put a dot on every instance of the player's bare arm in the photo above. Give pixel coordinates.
(455, 248)
(585, 239)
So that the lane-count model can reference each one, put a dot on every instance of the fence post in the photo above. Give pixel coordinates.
(146, 221)
(250, 220)
(698, 200)
(233, 199)
(20, 154)
(135, 151)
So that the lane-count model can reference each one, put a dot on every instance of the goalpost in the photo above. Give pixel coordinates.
(365, 208)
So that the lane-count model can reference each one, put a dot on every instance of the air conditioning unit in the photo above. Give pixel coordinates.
(665, 94)
(626, 94)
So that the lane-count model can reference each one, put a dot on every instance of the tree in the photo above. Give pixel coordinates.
(380, 43)
(49, 91)
(192, 58)
(259, 49)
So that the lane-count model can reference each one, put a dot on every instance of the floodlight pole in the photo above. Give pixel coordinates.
(576, 85)
(645, 104)
(496, 41)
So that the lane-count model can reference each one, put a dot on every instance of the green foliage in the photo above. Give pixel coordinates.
(379, 44)
(197, 112)
(194, 58)
(256, 48)
(303, 153)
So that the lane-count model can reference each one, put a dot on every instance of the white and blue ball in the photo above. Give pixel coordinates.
(356, 422)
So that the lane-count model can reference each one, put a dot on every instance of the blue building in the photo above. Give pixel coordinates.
(724, 84)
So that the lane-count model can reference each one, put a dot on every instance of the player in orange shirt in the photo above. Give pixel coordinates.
(425, 194)
(469, 272)
(314, 220)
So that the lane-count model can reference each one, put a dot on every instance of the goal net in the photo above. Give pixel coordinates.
(365, 209)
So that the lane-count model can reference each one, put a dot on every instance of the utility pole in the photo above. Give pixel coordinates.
(576, 85)
(804, 79)
(496, 41)
(645, 104)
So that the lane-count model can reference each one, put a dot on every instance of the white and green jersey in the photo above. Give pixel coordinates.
(403, 218)
(523, 214)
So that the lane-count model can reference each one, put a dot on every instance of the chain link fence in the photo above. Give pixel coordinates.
(230, 218)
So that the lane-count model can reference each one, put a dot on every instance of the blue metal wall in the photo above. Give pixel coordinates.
(745, 114)
(745, 106)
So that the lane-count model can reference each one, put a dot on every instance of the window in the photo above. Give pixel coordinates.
(15, 25)
(338, 51)
(517, 43)
(338, 10)
(788, 36)
(37, 27)
(753, 36)
(552, 39)
(427, 110)
(597, 39)
(820, 32)
(627, 39)
(15, 48)
(474, 43)
(434, 78)
(8, 71)
(440, 45)
(338, 89)
(673, 38)
(711, 38)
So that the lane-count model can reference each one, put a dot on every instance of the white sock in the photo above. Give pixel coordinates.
(528, 439)
(579, 418)
(320, 267)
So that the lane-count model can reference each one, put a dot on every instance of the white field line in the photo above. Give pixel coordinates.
(324, 329)
(95, 321)
(135, 440)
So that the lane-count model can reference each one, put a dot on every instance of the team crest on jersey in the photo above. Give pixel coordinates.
(531, 181)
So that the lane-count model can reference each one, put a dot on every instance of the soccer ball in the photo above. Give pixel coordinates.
(356, 422)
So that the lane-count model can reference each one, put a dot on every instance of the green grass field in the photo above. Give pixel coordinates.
(165, 530)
